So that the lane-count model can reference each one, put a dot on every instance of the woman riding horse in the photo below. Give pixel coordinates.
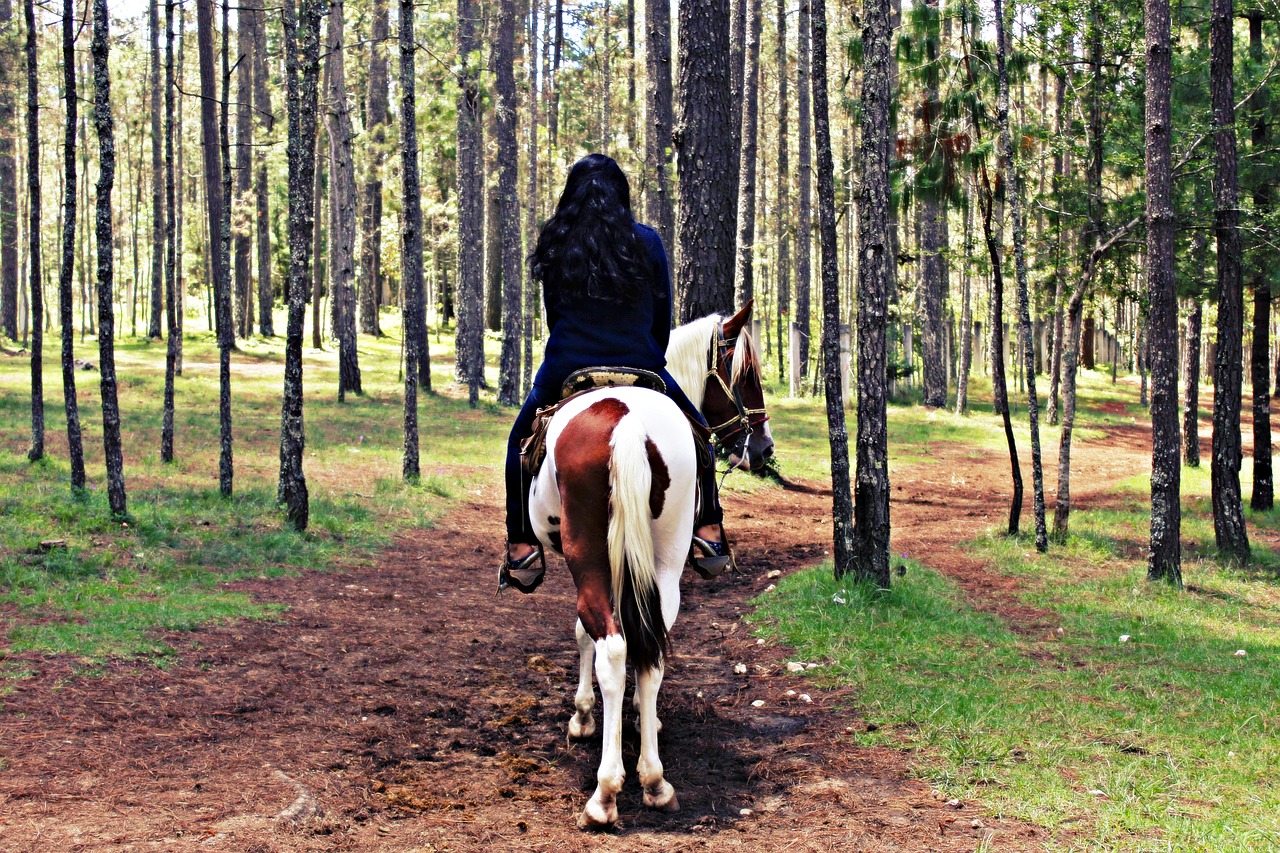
(607, 293)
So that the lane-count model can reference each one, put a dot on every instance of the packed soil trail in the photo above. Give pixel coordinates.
(401, 706)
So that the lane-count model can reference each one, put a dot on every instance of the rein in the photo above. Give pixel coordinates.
(742, 420)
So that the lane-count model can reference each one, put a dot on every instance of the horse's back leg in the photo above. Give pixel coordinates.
(582, 724)
(658, 793)
(611, 671)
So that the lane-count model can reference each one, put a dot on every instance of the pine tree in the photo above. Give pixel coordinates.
(659, 206)
(371, 210)
(745, 242)
(170, 260)
(342, 207)
(75, 442)
(509, 208)
(470, 294)
(8, 185)
(411, 234)
(36, 451)
(157, 180)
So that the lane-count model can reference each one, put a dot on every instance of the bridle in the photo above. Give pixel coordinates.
(744, 420)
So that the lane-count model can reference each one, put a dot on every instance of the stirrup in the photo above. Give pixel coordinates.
(710, 559)
(522, 574)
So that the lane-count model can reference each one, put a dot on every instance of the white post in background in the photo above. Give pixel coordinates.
(795, 359)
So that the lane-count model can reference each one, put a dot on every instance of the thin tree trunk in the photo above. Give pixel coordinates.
(746, 231)
(302, 77)
(706, 153)
(470, 284)
(841, 503)
(1164, 560)
(104, 125)
(509, 213)
(966, 318)
(36, 450)
(246, 23)
(531, 219)
(266, 126)
(659, 205)
(553, 115)
(1228, 509)
(933, 217)
(782, 215)
(370, 263)
(317, 234)
(180, 290)
(411, 226)
(155, 326)
(870, 558)
(1191, 382)
(342, 208)
(170, 260)
(75, 442)
(8, 186)
(1013, 190)
(804, 207)
(1263, 497)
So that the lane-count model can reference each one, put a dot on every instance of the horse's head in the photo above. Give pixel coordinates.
(734, 400)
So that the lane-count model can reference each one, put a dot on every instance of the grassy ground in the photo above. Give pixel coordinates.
(1137, 726)
(115, 583)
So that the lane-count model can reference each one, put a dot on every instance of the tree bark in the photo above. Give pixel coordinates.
(509, 210)
(246, 23)
(659, 206)
(179, 296)
(870, 558)
(105, 127)
(8, 184)
(1228, 509)
(782, 218)
(376, 123)
(933, 234)
(706, 153)
(1164, 560)
(36, 450)
(1263, 497)
(838, 432)
(804, 207)
(155, 327)
(266, 126)
(531, 219)
(170, 259)
(342, 208)
(746, 231)
(1191, 381)
(302, 77)
(411, 223)
(317, 237)
(966, 319)
(470, 293)
(1013, 191)
(75, 441)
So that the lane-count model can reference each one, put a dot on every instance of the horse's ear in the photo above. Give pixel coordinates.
(738, 321)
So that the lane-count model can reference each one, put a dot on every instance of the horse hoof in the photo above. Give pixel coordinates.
(579, 730)
(664, 799)
(596, 817)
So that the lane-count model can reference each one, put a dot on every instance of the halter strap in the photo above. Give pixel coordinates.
(742, 420)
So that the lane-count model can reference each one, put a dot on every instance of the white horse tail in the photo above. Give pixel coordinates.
(636, 601)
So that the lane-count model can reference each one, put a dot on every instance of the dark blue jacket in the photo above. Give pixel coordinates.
(588, 332)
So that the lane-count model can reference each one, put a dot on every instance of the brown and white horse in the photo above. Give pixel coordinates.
(616, 495)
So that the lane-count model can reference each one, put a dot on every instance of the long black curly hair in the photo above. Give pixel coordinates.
(590, 248)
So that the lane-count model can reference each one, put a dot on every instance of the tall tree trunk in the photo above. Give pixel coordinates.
(75, 443)
(933, 218)
(1263, 497)
(266, 126)
(631, 70)
(782, 216)
(179, 284)
(1060, 162)
(1191, 381)
(8, 184)
(746, 232)
(411, 223)
(966, 317)
(509, 213)
(155, 326)
(706, 152)
(553, 115)
(317, 237)
(170, 259)
(104, 125)
(376, 122)
(470, 293)
(870, 558)
(804, 222)
(1164, 560)
(215, 202)
(36, 451)
(302, 78)
(841, 502)
(246, 23)
(531, 219)
(659, 205)
(1228, 509)
(342, 208)
(1013, 190)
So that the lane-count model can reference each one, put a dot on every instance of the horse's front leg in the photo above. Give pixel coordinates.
(611, 671)
(582, 724)
(658, 793)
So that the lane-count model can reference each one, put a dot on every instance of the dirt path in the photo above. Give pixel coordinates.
(419, 712)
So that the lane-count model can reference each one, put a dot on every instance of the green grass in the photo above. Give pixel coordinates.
(1167, 741)
(114, 585)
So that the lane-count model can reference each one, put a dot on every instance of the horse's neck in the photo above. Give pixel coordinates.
(687, 357)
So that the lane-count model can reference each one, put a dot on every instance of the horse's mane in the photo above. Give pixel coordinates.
(687, 355)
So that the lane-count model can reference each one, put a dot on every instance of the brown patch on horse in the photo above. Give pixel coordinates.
(582, 458)
(661, 478)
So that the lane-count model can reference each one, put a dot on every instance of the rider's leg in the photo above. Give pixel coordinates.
(522, 544)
